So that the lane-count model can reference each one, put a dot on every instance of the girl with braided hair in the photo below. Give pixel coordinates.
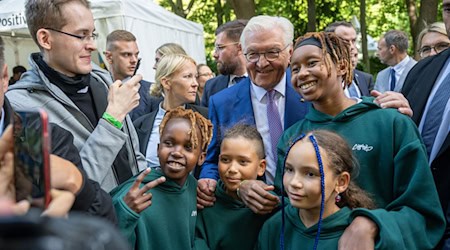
(393, 162)
(158, 209)
(318, 179)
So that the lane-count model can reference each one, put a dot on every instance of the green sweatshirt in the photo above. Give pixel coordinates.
(229, 224)
(393, 168)
(297, 236)
(169, 223)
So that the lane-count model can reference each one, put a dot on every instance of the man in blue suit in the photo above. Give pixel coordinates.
(229, 58)
(267, 45)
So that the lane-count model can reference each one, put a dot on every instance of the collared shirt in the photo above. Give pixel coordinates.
(400, 67)
(347, 93)
(151, 156)
(2, 121)
(232, 82)
(444, 128)
(259, 102)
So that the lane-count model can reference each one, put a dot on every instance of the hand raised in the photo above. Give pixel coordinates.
(123, 97)
(137, 197)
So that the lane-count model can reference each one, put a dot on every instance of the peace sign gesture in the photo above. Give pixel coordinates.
(138, 198)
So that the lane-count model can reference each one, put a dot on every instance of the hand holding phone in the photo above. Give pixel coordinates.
(31, 157)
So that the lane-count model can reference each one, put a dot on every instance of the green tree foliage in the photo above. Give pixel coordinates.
(381, 15)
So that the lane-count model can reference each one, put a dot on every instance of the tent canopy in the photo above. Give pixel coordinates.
(150, 23)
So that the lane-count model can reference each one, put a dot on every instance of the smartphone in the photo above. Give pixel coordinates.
(32, 157)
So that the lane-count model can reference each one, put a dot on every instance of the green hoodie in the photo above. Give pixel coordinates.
(229, 224)
(393, 168)
(297, 236)
(169, 223)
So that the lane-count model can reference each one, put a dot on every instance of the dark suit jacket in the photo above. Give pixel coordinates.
(147, 103)
(144, 125)
(364, 82)
(234, 105)
(417, 88)
(213, 86)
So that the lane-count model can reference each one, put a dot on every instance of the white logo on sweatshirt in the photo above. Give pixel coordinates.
(362, 147)
(194, 213)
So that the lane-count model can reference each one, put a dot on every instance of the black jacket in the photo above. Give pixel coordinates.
(91, 199)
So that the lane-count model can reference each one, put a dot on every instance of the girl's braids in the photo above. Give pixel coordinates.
(337, 48)
(196, 119)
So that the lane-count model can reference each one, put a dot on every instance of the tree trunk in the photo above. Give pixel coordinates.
(311, 16)
(243, 9)
(362, 17)
(427, 15)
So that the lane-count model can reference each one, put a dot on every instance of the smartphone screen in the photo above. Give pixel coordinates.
(31, 157)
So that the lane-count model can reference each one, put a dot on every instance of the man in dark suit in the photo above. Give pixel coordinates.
(122, 54)
(267, 46)
(229, 58)
(362, 82)
(427, 87)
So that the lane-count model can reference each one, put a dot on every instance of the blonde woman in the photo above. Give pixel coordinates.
(175, 80)
(432, 40)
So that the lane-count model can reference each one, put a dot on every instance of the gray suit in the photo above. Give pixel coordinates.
(382, 83)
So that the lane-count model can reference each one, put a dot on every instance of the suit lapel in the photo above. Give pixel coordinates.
(361, 83)
(294, 109)
(144, 130)
(243, 102)
(426, 82)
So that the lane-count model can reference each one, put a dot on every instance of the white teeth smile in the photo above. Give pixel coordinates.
(175, 164)
(307, 85)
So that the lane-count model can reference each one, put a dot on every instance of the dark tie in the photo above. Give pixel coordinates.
(435, 113)
(393, 79)
(238, 79)
(273, 117)
(352, 90)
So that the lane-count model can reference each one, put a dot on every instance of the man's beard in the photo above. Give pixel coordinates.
(227, 69)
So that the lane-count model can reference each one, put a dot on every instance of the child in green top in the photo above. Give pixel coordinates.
(158, 210)
(229, 224)
(318, 181)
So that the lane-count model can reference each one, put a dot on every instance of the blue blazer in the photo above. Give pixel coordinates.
(213, 86)
(234, 105)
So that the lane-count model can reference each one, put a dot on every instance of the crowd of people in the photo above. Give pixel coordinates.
(288, 147)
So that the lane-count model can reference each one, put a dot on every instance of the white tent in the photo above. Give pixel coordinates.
(150, 23)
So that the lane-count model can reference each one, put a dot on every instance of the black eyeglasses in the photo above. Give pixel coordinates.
(438, 48)
(85, 39)
(270, 56)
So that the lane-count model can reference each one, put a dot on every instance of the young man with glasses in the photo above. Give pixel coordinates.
(78, 95)
(265, 99)
(229, 58)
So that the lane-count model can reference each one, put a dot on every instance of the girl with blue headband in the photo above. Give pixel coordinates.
(318, 179)
(393, 162)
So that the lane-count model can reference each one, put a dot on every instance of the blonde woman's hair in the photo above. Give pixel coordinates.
(167, 66)
(437, 27)
(170, 48)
